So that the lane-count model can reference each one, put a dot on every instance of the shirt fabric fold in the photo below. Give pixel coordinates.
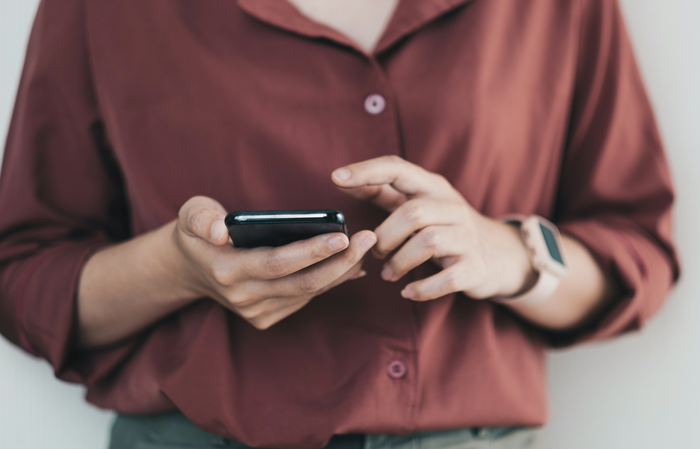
(127, 109)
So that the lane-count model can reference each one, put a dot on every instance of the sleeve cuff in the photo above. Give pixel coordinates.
(45, 311)
(644, 270)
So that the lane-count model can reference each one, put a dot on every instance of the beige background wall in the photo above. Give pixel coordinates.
(640, 391)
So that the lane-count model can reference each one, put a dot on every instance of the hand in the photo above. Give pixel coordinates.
(262, 285)
(430, 220)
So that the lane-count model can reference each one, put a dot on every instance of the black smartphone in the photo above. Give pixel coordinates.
(250, 229)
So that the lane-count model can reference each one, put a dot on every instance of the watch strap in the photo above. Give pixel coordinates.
(546, 283)
(545, 286)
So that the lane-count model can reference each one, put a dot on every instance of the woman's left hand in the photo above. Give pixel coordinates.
(431, 220)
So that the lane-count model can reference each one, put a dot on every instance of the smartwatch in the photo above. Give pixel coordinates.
(544, 246)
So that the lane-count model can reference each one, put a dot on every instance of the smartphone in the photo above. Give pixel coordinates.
(251, 229)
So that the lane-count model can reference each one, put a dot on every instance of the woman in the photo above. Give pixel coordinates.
(139, 124)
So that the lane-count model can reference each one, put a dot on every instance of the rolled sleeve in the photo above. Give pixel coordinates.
(60, 195)
(644, 272)
(45, 302)
(616, 195)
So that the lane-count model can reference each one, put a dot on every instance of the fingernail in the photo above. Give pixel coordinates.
(407, 292)
(342, 174)
(387, 274)
(360, 274)
(368, 242)
(337, 243)
(218, 229)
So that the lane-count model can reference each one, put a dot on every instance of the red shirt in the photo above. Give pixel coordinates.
(128, 108)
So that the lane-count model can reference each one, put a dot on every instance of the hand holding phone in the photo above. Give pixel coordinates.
(263, 285)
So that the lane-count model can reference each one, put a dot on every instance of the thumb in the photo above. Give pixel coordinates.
(203, 217)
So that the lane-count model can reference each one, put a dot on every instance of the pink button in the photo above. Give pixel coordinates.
(396, 369)
(375, 104)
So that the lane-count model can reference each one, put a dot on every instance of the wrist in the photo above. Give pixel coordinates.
(172, 267)
(516, 274)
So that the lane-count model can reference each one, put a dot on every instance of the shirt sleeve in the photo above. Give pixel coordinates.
(616, 193)
(61, 195)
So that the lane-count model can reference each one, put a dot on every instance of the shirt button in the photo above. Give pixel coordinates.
(375, 104)
(396, 369)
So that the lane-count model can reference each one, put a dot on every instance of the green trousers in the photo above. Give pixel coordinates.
(175, 431)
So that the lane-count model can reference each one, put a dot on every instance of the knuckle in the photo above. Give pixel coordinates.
(186, 207)
(431, 238)
(275, 265)
(241, 301)
(413, 212)
(452, 282)
(356, 257)
(193, 220)
(441, 179)
(196, 221)
(309, 284)
(419, 294)
(319, 250)
(319, 292)
(262, 324)
(399, 269)
(394, 159)
(479, 292)
(380, 249)
(248, 314)
(221, 275)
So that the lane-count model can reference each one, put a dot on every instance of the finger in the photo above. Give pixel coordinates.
(431, 242)
(203, 217)
(454, 279)
(384, 196)
(278, 315)
(413, 216)
(358, 275)
(264, 314)
(355, 272)
(313, 280)
(273, 263)
(404, 176)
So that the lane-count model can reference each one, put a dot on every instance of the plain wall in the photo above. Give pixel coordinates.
(638, 391)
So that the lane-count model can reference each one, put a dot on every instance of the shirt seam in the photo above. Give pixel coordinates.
(19, 302)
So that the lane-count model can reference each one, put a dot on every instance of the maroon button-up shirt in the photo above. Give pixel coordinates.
(128, 108)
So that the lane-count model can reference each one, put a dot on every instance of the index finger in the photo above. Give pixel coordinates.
(384, 196)
(277, 262)
(404, 176)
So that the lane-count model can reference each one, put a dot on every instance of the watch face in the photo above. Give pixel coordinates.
(551, 241)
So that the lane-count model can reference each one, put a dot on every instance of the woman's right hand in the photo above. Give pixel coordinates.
(261, 285)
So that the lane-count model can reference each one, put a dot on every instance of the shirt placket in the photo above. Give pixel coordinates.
(399, 367)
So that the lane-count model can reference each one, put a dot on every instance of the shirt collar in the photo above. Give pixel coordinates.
(410, 15)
